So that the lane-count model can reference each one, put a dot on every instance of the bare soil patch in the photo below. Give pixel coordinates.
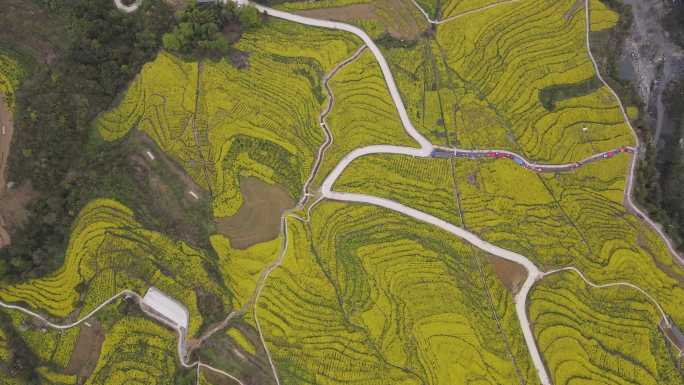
(510, 273)
(6, 131)
(12, 208)
(258, 219)
(399, 17)
(31, 27)
(224, 354)
(87, 350)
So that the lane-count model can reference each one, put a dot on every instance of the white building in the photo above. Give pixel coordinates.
(168, 309)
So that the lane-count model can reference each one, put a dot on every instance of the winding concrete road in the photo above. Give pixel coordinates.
(426, 150)
(386, 72)
(128, 8)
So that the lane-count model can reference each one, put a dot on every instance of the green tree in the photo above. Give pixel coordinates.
(248, 17)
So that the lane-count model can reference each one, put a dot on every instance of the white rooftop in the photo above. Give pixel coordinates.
(167, 307)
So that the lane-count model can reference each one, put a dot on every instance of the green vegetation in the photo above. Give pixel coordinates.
(108, 252)
(363, 114)
(220, 122)
(13, 69)
(550, 95)
(370, 296)
(454, 99)
(424, 184)
(200, 29)
(599, 336)
(136, 349)
(54, 108)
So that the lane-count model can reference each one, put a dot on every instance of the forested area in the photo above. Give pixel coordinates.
(103, 49)
(55, 148)
(200, 30)
(661, 174)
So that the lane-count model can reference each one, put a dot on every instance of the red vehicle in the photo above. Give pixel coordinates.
(491, 154)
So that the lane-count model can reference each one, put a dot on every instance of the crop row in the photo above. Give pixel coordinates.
(109, 252)
(599, 336)
(198, 113)
(424, 184)
(367, 295)
(363, 113)
(11, 73)
(136, 350)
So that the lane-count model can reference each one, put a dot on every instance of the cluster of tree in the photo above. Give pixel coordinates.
(22, 362)
(673, 22)
(661, 172)
(52, 148)
(660, 177)
(200, 29)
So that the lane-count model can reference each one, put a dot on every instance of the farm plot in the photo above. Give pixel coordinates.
(575, 218)
(221, 122)
(485, 79)
(424, 184)
(599, 336)
(108, 252)
(363, 113)
(368, 296)
(537, 48)
(136, 350)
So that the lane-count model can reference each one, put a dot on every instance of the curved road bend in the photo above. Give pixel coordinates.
(324, 125)
(425, 145)
(426, 149)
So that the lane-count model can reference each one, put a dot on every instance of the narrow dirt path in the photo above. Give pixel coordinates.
(6, 132)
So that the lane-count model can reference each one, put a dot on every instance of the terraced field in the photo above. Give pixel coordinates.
(270, 130)
(136, 350)
(425, 184)
(365, 295)
(540, 54)
(599, 336)
(363, 113)
(108, 252)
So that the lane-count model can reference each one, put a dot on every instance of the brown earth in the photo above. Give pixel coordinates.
(173, 166)
(222, 352)
(258, 219)
(6, 131)
(87, 350)
(32, 28)
(400, 18)
(511, 274)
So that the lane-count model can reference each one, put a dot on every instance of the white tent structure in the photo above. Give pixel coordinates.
(168, 309)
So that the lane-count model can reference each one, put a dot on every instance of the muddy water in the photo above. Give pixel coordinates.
(258, 219)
